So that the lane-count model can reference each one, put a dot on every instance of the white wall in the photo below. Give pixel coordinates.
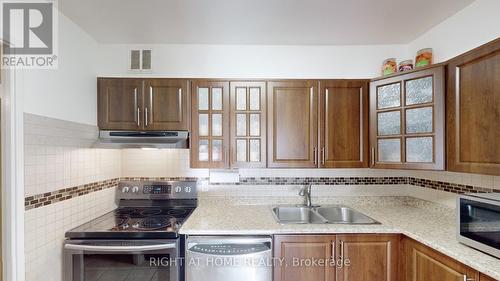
(254, 61)
(69, 92)
(471, 27)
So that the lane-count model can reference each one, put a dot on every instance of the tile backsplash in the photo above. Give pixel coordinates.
(59, 154)
(44, 230)
(67, 182)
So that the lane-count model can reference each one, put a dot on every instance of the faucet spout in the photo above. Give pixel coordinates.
(306, 193)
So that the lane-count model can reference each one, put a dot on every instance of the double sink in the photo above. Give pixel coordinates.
(320, 215)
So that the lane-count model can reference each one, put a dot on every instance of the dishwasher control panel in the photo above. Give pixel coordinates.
(230, 249)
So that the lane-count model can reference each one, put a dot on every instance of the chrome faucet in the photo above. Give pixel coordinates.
(306, 193)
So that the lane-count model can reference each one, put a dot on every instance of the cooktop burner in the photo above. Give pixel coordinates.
(150, 212)
(152, 223)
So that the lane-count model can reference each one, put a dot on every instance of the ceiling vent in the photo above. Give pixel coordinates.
(140, 60)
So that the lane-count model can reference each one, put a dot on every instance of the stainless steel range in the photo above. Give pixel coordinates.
(139, 240)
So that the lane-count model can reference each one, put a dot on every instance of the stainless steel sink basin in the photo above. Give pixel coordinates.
(344, 215)
(297, 215)
(320, 215)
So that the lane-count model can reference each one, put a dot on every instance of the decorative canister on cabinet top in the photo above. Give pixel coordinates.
(389, 66)
(405, 65)
(424, 57)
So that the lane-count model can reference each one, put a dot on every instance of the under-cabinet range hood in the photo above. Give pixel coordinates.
(140, 139)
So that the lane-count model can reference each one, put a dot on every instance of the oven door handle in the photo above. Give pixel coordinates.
(80, 247)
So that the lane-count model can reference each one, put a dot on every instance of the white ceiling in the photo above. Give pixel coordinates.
(268, 22)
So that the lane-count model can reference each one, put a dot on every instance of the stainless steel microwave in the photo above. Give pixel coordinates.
(479, 222)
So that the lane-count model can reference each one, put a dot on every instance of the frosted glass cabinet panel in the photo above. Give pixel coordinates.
(241, 125)
(217, 124)
(203, 124)
(255, 96)
(255, 125)
(389, 96)
(209, 124)
(241, 150)
(407, 120)
(389, 150)
(241, 98)
(389, 123)
(203, 98)
(248, 123)
(203, 150)
(216, 98)
(419, 91)
(419, 149)
(217, 150)
(255, 150)
(419, 120)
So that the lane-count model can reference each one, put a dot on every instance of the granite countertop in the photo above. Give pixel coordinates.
(428, 223)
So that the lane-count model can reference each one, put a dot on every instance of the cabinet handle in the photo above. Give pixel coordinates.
(468, 279)
(137, 108)
(342, 250)
(315, 156)
(145, 116)
(372, 156)
(138, 117)
(323, 156)
(333, 250)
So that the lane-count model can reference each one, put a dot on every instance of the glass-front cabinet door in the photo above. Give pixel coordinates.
(248, 124)
(210, 126)
(407, 120)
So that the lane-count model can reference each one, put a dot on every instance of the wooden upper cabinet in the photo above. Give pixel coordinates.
(370, 256)
(343, 124)
(292, 123)
(407, 115)
(294, 248)
(421, 263)
(138, 104)
(473, 111)
(119, 104)
(248, 124)
(210, 124)
(166, 104)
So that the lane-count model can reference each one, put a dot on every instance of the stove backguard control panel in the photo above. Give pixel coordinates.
(156, 190)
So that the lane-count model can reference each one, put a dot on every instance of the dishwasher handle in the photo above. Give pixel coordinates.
(228, 239)
(229, 247)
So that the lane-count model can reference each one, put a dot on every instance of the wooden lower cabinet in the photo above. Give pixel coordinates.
(371, 257)
(356, 257)
(296, 251)
(420, 263)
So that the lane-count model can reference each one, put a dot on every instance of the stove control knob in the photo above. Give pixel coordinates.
(187, 189)
(178, 189)
(125, 189)
(135, 189)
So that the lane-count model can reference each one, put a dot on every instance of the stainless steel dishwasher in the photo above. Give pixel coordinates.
(221, 258)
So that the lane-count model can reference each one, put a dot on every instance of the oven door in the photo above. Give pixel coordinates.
(479, 224)
(120, 260)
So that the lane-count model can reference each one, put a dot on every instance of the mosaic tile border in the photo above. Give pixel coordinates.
(161, 179)
(322, 181)
(48, 198)
(449, 187)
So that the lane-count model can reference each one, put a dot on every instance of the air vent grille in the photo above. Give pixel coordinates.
(140, 60)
